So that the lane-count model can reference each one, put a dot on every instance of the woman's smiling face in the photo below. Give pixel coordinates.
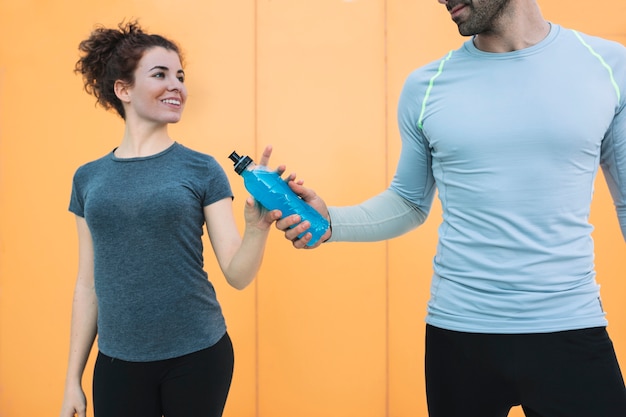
(158, 93)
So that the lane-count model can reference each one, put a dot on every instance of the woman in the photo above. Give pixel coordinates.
(140, 212)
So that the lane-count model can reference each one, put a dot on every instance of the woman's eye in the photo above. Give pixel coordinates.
(181, 79)
(159, 75)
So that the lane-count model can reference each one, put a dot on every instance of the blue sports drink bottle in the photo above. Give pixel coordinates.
(269, 189)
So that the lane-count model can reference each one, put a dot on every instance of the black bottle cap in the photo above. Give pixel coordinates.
(241, 162)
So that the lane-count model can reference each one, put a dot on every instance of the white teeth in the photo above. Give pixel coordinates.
(170, 101)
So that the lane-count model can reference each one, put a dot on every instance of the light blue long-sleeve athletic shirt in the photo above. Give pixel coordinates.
(512, 142)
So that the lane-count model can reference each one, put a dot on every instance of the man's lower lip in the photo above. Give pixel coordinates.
(456, 10)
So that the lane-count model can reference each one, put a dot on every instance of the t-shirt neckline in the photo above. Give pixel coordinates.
(143, 158)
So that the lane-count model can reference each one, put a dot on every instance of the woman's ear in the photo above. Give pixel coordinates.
(122, 91)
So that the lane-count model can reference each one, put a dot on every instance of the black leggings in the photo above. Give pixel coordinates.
(194, 385)
(562, 374)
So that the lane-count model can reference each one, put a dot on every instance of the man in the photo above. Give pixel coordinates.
(510, 129)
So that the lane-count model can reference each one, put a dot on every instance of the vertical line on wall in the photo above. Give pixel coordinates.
(386, 165)
(255, 122)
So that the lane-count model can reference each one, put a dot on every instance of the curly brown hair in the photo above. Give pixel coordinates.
(109, 55)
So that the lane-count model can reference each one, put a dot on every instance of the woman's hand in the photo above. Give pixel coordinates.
(74, 403)
(257, 216)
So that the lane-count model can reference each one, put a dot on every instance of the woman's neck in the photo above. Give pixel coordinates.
(139, 142)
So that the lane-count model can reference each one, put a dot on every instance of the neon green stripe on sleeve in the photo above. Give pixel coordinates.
(603, 62)
(430, 87)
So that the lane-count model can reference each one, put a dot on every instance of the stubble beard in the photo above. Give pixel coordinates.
(483, 18)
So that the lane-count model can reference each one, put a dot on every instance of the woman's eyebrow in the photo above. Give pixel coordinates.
(164, 68)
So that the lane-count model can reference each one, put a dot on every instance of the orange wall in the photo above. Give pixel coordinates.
(334, 332)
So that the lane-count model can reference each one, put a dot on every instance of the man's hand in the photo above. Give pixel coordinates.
(293, 226)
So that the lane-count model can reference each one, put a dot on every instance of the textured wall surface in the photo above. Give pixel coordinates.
(335, 332)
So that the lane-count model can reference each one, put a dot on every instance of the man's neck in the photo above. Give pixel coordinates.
(517, 30)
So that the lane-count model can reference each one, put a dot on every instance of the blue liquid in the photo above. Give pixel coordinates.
(269, 189)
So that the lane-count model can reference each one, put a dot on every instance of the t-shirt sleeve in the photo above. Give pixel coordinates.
(217, 184)
(77, 199)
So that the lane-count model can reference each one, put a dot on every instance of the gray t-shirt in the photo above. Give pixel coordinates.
(146, 219)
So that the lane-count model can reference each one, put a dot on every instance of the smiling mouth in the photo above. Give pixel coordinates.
(171, 101)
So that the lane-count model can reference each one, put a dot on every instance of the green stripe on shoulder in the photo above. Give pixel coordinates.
(603, 62)
(430, 87)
